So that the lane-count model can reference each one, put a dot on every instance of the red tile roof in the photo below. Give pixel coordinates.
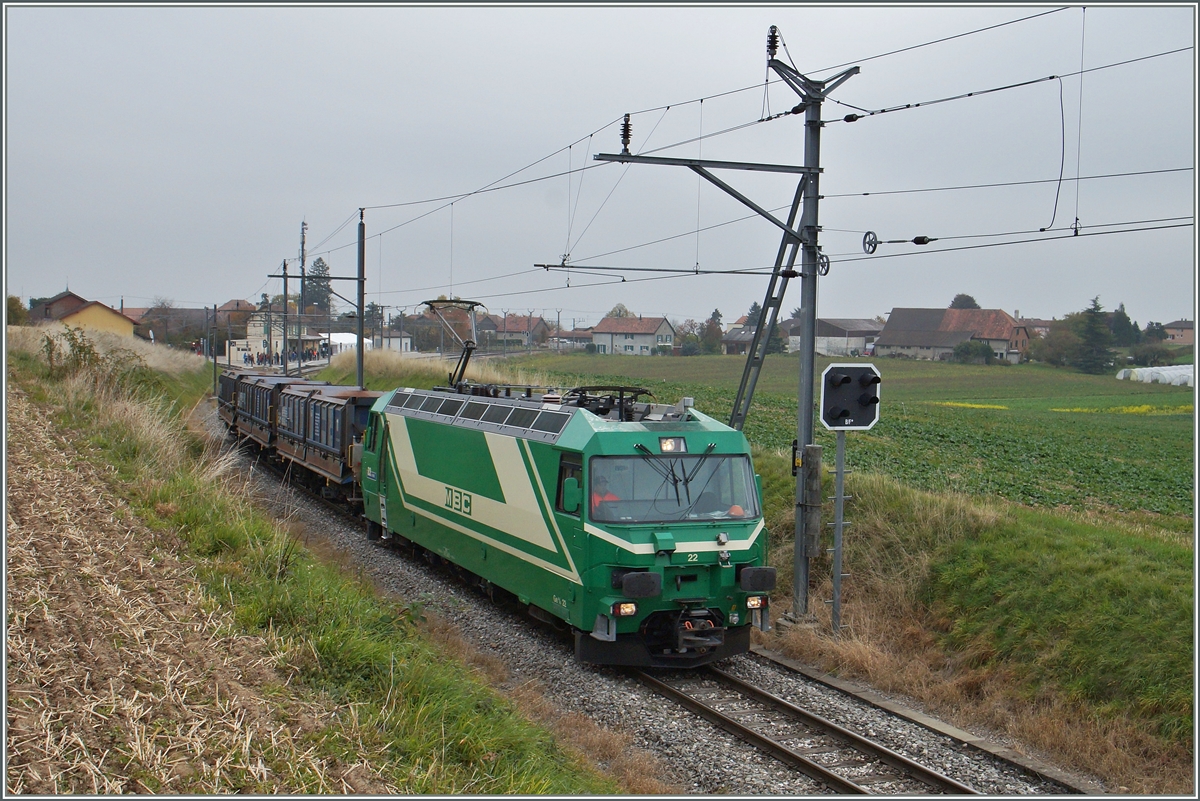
(630, 325)
(983, 323)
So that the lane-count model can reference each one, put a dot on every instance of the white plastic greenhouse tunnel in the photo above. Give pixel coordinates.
(1180, 375)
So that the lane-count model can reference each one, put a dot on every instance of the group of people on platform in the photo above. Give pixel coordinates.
(263, 359)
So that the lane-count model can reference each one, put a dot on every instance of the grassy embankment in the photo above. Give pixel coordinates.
(1021, 549)
(423, 722)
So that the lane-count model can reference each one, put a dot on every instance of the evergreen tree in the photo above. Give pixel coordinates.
(963, 301)
(753, 316)
(1095, 354)
(1155, 332)
(1124, 331)
(710, 333)
(317, 290)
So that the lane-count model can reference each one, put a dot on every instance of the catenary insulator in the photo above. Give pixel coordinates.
(772, 42)
(626, 134)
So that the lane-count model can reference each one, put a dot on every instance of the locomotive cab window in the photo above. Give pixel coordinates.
(656, 489)
(570, 466)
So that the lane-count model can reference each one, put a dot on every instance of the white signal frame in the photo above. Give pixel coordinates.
(853, 366)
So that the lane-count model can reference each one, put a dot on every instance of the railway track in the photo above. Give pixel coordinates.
(838, 758)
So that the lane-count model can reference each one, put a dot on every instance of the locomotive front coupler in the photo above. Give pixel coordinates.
(698, 629)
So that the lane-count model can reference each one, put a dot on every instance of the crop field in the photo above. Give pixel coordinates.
(1033, 434)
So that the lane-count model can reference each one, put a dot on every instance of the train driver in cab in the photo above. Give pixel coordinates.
(600, 492)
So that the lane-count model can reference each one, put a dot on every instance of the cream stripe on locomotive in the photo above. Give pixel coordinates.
(546, 505)
(680, 545)
(520, 517)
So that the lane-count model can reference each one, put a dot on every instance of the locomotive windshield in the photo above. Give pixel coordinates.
(659, 489)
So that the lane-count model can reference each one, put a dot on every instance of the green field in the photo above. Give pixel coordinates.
(1033, 434)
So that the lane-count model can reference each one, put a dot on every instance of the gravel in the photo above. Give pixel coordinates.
(696, 755)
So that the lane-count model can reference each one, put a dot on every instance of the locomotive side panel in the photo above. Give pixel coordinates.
(477, 499)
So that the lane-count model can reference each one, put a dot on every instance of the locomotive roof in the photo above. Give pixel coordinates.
(539, 419)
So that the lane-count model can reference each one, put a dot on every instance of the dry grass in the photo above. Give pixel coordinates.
(121, 675)
(157, 357)
(888, 644)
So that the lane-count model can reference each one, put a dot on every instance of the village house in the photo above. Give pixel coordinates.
(75, 312)
(511, 331)
(934, 333)
(636, 336)
(1181, 332)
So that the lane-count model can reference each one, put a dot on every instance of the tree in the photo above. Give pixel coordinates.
(1124, 331)
(17, 314)
(317, 289)
(1059, 347)
(1095, 354)
(973, 351)
(1155, 332)
(754, 315)
(1151, 355)
(372, 316)
(775, 343)
(687, 334)
(796, 312)
(710, 334)
(963, 301)
(619, 311)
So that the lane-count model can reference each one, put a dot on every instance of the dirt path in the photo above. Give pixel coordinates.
(121, 678)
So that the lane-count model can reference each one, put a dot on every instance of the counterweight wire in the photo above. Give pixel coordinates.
(1062, 160)
(1079, 125)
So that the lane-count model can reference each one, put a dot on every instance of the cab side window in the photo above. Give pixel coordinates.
(371, 433)
(571, 466)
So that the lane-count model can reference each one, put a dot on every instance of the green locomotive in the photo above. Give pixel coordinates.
(637, 524)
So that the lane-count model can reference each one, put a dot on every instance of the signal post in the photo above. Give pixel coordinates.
(849, 402)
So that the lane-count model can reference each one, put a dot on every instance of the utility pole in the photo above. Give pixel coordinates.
(303, 281)
(558, 328)
(285, 318)
(803, 239)
(270, 332)
(362, 288)
(813, 263)
(213, 341)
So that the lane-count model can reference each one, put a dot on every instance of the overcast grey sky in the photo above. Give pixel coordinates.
(173, 152)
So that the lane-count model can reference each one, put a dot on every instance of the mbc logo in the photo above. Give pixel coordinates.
(458, 500)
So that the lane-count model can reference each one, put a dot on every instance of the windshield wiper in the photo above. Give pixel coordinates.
(668, 477)
(699, 461)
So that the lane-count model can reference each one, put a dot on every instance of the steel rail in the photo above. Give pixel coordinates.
(858, 742)
(806, 766)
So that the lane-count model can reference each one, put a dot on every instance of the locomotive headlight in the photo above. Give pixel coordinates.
(754, 602)
(672, 445)
(624, 609)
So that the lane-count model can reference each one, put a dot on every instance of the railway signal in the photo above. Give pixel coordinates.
(849, 397)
